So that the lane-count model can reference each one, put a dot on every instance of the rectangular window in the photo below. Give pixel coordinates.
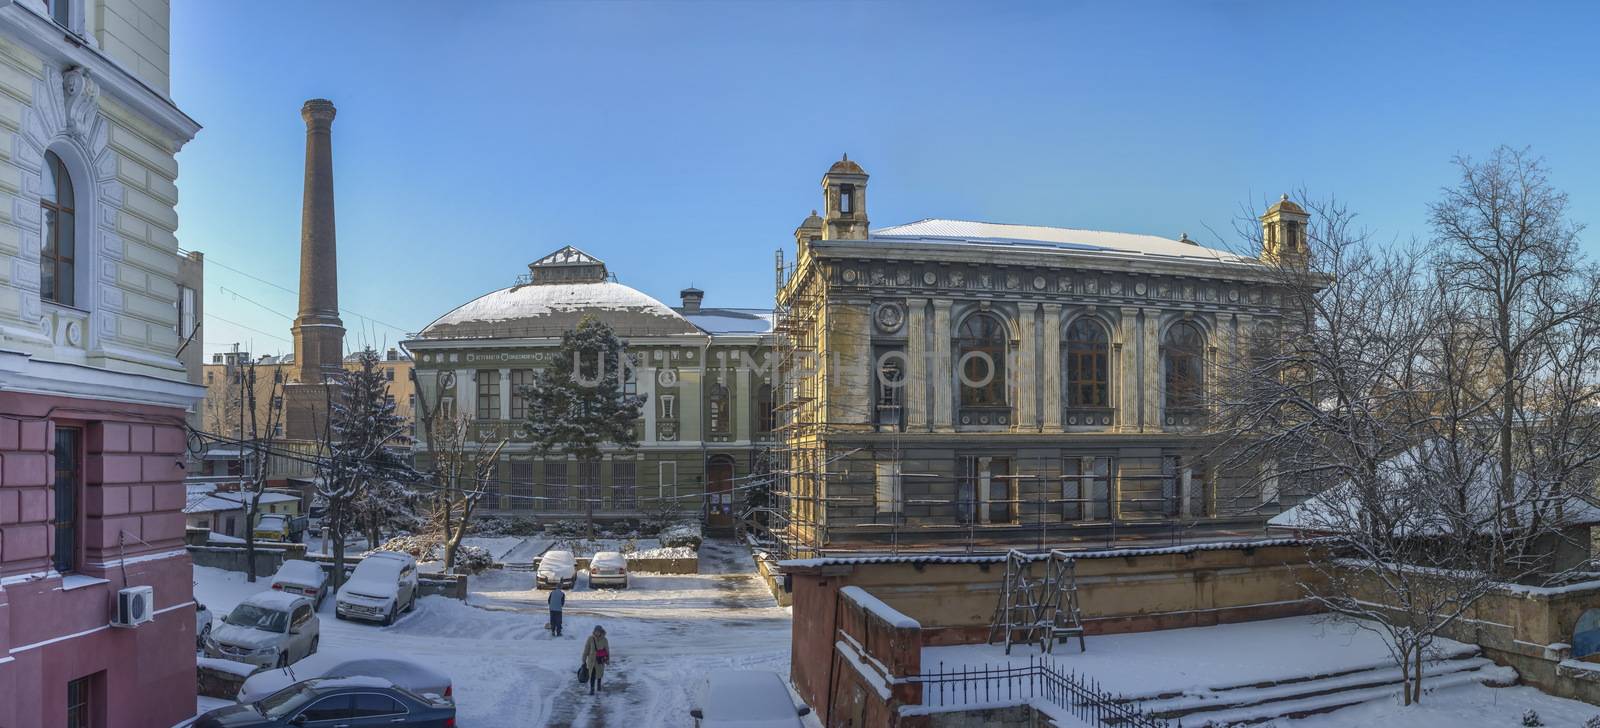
(984, 490)
(1086, 488)
(67, 485)
(488, 394)
(520, 379)
(718, 407)
(889, 493)
(847, 198)
(588, 485)
(555, 484)
(669, 480)
(186, 320)
(521, 487)
(623, 489)
(388, 374)
(890, 385)
(1002, 490)
(630, 375)
(79, 706)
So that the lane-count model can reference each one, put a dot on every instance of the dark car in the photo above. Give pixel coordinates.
(348, 702)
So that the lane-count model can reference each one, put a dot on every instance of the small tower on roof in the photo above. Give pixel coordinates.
(1283, 234)
(809, 231)
(567, 265)
(844, 189)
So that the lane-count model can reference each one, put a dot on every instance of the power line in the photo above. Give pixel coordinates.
(258, 279)
(248, 328)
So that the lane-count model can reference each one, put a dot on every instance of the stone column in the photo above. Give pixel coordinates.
(1050, 380)
(647, 388)
(740, 408)
(505, 393)
(691, 402)
(1154, 388)
(318, 332)
(1025, 375)
(916, 392)
(1128, 371)
(467, 393)
(943, 376)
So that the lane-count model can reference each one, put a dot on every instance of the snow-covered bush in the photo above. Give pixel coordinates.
(420, 546)
(1593, 722)
(566, 529)
(681, 534)
(1531, 719)
(504, 526)
(472, 559)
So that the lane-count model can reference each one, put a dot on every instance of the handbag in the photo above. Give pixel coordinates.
(583, 673)
(602, 656)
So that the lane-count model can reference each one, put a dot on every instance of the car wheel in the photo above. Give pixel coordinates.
(412, 605)
(314, 642)
(339, 615)
(388, 619)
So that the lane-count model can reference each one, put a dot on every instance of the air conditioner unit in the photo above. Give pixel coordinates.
(135, 606)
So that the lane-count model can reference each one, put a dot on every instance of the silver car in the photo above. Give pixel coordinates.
(270, 629)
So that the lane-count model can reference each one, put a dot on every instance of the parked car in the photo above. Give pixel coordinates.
(270, 629)
(401, 671)
(280, 527)
(348, 702)
(728, 698)
(557, 567)
(383, 585)
(202, 625)
(608, 568)
(307, 578)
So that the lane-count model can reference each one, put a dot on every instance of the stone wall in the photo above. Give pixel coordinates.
(270, 555)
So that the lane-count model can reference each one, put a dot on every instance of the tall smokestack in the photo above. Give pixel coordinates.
(318, 332)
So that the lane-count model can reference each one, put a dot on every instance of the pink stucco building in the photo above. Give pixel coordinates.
(94, 314)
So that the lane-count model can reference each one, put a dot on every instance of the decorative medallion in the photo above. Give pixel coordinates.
(1140, 288)
(930, 278)
(878, 277)
(1255, 296)
(1116, 288)
(902, 277)
(958, 279)
(1091, 285)
(74, 333)
(1013, 282)
(849, 275)
(667, 377)
(447, 380)
(1065, 284)
(889, 317)
(1233, 294)
(45, 328)
(1038, 283)
(985, 281)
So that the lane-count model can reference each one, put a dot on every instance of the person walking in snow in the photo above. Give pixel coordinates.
(557, 600)
(596, 653)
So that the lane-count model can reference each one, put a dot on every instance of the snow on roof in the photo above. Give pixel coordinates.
(731, 320)
(941, 231)
(283, 601)
(1001, 558)
(203, 498)
(1335, 509)
(550, 309)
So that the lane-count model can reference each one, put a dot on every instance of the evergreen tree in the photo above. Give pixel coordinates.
(577, 406)
(363, 443)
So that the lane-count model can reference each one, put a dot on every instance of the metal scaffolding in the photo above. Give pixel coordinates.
(1039, 611)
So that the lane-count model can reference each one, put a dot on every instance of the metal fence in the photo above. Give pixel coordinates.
(1039, 679)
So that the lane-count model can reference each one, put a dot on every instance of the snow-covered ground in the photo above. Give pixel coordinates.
(665, 631)
(1467, 706)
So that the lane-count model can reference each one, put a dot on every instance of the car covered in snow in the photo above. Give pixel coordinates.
(557, 568)
(608, 568)
(270, 629)
(745, 699)
(346, 702)
(383, 585)
(202, 625)
(401, 671)
(302, 577)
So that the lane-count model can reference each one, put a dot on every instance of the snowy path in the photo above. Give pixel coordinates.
(665, 631)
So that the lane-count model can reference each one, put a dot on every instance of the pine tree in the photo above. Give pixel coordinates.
(577, 406)
(364, 441)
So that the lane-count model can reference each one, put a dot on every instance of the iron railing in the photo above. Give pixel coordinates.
(1040, 679)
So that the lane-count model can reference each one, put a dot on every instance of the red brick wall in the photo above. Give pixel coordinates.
(131, 534)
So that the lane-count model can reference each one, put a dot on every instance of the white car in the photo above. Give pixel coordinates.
(202, 625)
(745, 699)
(302, 577)
(270, 629)
(383, 585)
(401, 671)
(557, 567)
(608, 568)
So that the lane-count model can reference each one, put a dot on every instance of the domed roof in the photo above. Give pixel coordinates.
(845, 166)
(561, 291)
(1284, 204)
(812, 221)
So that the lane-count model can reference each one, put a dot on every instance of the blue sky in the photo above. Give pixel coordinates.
(683, 142)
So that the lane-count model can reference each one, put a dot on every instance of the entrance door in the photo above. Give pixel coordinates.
(719, 492)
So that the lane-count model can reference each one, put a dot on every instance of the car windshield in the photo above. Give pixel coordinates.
(285, 701)
(250, 615)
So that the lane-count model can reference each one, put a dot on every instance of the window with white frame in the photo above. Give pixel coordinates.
(888, 496)
(58, 233)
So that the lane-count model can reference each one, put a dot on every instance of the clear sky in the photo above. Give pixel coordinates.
(683, 142)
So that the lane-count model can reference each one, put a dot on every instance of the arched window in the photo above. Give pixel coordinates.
(57, 251)
(1088, 365)
(719, 409)
(981, 361)
(1181, 353)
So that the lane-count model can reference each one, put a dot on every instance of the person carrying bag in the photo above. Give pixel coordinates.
(596, 654)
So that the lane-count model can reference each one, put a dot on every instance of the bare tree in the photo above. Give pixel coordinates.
(460, 470)
(256, 456)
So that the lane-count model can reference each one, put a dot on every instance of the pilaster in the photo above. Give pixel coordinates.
(1153, 388)
(1129, 372)
(741, 406)
(505, 394)
(1050, 379)
(916, 394)
(943, 377)
(647, 388)
(1025, 374)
